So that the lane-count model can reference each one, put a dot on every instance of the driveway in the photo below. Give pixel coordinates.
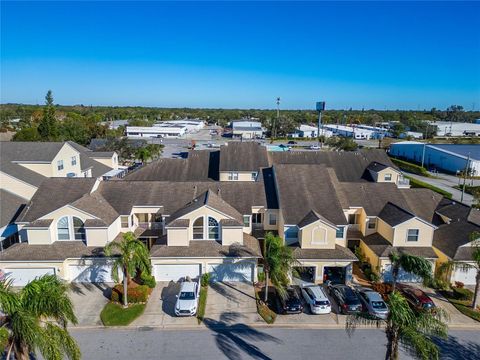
(159, 311)
(231, 303)
(88, 301)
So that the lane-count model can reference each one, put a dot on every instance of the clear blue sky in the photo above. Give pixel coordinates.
(242, 55)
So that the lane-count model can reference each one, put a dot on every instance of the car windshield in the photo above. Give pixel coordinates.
(378, 305)
(428, 305)
(322, 302)
(187, 295)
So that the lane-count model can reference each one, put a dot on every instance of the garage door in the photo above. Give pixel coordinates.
(21, 277)
(467, 277)
(91, 273)
(403, 276)
(176, 272)
(239, 271)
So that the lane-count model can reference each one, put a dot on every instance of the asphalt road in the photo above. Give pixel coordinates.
(243, 342)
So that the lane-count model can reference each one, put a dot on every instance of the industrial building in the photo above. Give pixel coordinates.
(247, 129)
(447, 128)
(352, 131)
(166, 129)
(308, 131)
(451, 158)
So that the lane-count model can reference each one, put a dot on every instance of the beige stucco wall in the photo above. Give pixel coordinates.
(111, 162)
(114, 229)
(242, 175)
(266, 219)
(281, 224)
(320, 265)
(317, 235)
(385, 230)
(203, 211)
(146, 209)
(425, 236)
(96, 236)
(362, 220)
(41, 236)
(370, 256)
(16, 186)
(382, 173)
(231, 235)
(177, 237)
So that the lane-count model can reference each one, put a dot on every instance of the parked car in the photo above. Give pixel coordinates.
(314, 147)
(416, 297)
(291, 142)
(316, 298)
(187, 299)
(346, 298)
(292, 304)
(373, 303)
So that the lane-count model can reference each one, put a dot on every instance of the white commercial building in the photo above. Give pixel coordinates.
(447, 128)
(247, 129)
(166, 129)
(351, 131)
(308, 131)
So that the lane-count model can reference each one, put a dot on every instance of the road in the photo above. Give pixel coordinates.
(243, 342)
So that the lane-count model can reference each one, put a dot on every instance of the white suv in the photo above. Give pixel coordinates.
(187, 299)
(317, 299)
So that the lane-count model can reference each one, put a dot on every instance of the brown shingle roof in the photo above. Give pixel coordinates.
(394, 215)
(383, 248)
(339, 253)
(11, 206)
(243, 156)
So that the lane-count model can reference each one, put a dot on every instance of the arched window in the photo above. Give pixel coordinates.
(212, 229)
(78, 229)
(63, 229)
(198, 228)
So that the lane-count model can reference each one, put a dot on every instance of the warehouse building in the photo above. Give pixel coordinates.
(451, 158)
(247, 129)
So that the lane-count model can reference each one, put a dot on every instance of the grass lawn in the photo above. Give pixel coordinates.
(464, 306)
(202, 303)
(115, 315)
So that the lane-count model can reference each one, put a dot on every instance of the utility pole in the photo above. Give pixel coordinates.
(320, 107)
(465, 176)
(274, 129)
(423, 153)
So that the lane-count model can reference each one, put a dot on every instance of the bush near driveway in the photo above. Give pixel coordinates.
(410, 167)
(147, 280)
(202, 303)
(464, 306)
(116, 315)
(460, 293)
(135, 295)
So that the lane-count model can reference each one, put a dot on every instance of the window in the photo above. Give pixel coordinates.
(62, 229)
(78, 229)
(387, 177)
(74, 160)
(246, 220)
(124, 221)
(198, 228)
(254, 176)
(233, 176)
(291, 233)
(257, 218)
(352, 219)
(60, 165)
(272, 219)
(372, 223)
(212, 229)
(412, 234)
(339, 233)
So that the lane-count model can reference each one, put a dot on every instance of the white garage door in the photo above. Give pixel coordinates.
(403, 276)
(91, 273)
(466, 276)
(239, 271)
(176, 272)
(21, 277)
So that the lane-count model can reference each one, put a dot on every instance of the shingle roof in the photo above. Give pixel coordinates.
(98, 169)
(394, 215)
(97, 206)
(383, 248)
(450, 238)
(179, 223)
(422, 202)
(376, 166)
(339, 253)
(302, 188)
(243, 156)
(11, 206)
(348, 166)
(311, 217)
(53, 194)
(43, 223)
(207, 248)
(230, 222)
(30, 151)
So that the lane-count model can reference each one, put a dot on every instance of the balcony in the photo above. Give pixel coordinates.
(403, 183)
(150, 225)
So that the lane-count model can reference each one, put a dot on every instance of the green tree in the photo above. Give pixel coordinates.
(398, 129)
(410, 263)
(47, 128)
(143, 154)
(36, 319)
(278, 262)
(131, 256)
(27, 134)
(406, 326)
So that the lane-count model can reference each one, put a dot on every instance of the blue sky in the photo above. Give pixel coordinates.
(242, 55)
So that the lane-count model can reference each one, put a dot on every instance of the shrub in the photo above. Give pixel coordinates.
(383, 288)
(148, 280)
(462, 294)
(135, 295)
(459, 284)
(205, 279)
(436, 283)
(409, 167)
(374, 277)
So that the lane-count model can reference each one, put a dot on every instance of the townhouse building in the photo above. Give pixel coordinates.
(195, 216)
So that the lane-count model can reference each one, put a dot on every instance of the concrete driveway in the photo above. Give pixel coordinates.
(159, 311)
(88, 301)
(231, 303)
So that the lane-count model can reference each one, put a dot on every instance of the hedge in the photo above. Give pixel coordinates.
(410, 167)
(135, 295)
(414, 183)
(462, 294)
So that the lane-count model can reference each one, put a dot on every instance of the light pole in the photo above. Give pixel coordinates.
(320, 107)
(274, 129)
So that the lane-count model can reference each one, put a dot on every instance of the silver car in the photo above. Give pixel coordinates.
(373, 303)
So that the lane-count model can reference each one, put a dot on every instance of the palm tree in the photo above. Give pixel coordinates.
(143, 154)
(132, 256)
(409, 263)
(279, 261)
(407, 327)
(36, 318)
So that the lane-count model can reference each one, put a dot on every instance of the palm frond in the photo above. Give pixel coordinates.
(416, 265)
(361, 319)
(418, 344)
(24, 327)
(55, 342)
(9, 300)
